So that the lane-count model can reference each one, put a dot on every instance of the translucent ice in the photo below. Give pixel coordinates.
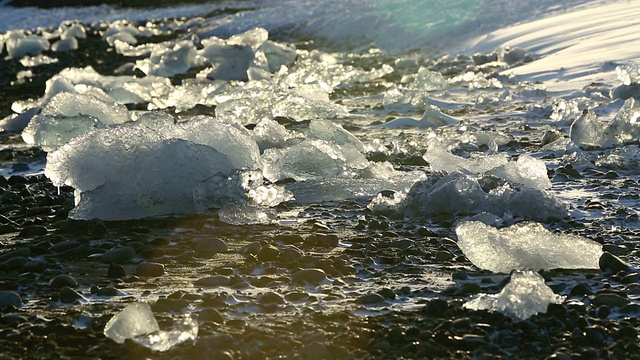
(524, 296)
(134, 320)
(168, 59)
(459, 193)
(270, 134)
(68, 115)
(67, 44)
(432, 117)
(527, 171)
(19, 44)
(525, 246)
(441, 159)
(628, 74)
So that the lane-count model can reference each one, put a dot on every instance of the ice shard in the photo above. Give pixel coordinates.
(524, 296)
(525, 246)
(134, 320)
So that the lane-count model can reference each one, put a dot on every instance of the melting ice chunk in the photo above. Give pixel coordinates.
(136, 322)
(441, 159)
(525, 246)
(524, 296)
(527, 171)
(459, 193)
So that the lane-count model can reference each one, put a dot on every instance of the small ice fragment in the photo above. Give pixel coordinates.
(386, 201)
(184, 329)
(586, 131)
(134, 320)
(68, 30)
(230, 62)
(628, 74)
(18, 44)
(247, 215)
(309, 160)
(66, 44)
(525, 246)
(524, 296)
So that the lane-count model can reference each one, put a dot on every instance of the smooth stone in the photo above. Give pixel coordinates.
(64, 246)
(69, 296)
(150, 269)
(370, 299)
(611, 300)
(15, 263)
(10, 298)
(21, 252)
(35, 265)
(212, 315)
(210, 246)
(289, 254)
(215, 280)
(312, 276)
(107, 291)
(271, 298)
(251, 249)
(63, 280)
(268, 253)
(118, 255)
(610, 263)
(169, 305)
(315, 351)
(33, 230)
(116, 271)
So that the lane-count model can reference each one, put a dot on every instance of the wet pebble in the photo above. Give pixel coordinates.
(311, 276)
(64, 246)
(215, 280)
(609, 299)
(36, 266)
(10, 298)
(212, 315)
(118, 255)
(271, 298)
(63, 280)
(116, 271)
(107, 291)
(369, 299)
(315, 351)
(150, 269)
(22, 252)
(168, 305)
(210, 246)
(69, 296)
(322, 240)
(268, 253)
(15, 263)
(612, 264)
(33, 230)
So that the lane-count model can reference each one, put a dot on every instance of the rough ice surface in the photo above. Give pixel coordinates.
(441, 159)
(129, 173)
(525, 246)
(68, 115)
(527, 171)
(270, 134)
(459, 193)
(589, 132)
(169, 59)
(628, 74)
(431, 118)
(134, 320)
(525, 295)
(247, 215)
(20, 44)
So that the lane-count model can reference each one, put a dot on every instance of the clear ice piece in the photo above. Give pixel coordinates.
(525, 246)
(134, 320)
(184, 329)
(524, 296)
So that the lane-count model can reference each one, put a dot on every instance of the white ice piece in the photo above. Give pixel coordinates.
(441, 159)
(524, 296)
(527, 171)
(18, 44)
(525, 246)
(66, 44)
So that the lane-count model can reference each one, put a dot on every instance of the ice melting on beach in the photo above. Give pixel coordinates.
(525, 246)
(524, 296)
(136, 322)
(128, 173)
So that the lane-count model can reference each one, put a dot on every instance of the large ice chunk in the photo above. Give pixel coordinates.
(441, 159)
(524, 296)
(525, 246)
(20, 44)
(170, 58)
(134, 320)
(459, 193)
(68, 115)
(129, 173)
(527, 171)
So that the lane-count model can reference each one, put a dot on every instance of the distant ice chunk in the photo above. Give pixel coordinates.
(628, 74)
(441, 159)
(270, 134)
(527, 171)
(459, 193)
(68, 115)
(247, 215)
(278, 55)
(431, 118)
(525, 246)
(169, 58)
(525, 295)
(134, 320)
(20, 44)
(72, 29)
(67, 44)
